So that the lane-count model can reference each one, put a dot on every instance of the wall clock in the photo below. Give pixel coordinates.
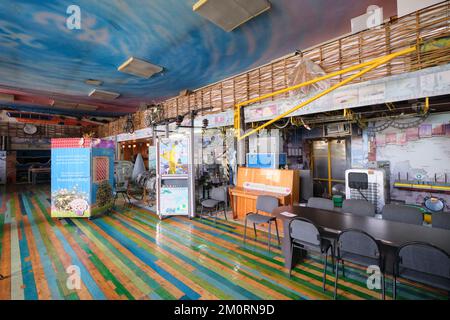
(30, 129)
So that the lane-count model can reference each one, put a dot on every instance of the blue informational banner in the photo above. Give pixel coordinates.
(82, 178)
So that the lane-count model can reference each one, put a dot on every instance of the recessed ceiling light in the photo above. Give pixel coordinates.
(6, 97)
(101, 94)
(140, 68)
(87, 107)
(230, 14)
(93, 82)
(64, 104)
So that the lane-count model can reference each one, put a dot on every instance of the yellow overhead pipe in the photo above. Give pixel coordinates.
(375, 63)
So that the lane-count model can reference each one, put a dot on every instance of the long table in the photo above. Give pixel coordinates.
(391, 234)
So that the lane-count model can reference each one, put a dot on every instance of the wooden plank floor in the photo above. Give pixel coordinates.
(133, 255)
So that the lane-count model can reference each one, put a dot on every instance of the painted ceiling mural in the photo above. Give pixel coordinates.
(41, 59)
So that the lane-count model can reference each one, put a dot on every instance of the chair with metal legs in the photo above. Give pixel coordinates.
(218, 198)
(306, 236)
(122, 188)
(423, 263)
(265, 204)
(360, 248)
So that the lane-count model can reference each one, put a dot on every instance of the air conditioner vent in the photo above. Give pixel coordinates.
(230, 14)
(140, 68)
(101, 94)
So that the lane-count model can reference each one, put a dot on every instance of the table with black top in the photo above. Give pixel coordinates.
(391, 234)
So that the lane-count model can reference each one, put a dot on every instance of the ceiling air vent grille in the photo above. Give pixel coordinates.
(102, 94)
(140, 68)
(230, 14)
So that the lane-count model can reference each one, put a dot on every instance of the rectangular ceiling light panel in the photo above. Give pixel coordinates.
(140, 68)
(6, 97)
(230, 14)
(87, 107)
(64, 105)
(102, 94)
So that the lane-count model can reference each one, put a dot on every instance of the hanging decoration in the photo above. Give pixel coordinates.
(129, 125)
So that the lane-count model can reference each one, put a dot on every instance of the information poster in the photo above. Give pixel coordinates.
(174, 156)
(71, 182)
(82, 177)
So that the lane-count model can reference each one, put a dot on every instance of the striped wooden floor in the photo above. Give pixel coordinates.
(133, 255)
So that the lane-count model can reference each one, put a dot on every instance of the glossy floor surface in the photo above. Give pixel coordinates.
(131, 254)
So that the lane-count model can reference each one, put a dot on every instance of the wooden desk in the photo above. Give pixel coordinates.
(391, 234)
(243, 197)
(244, 200)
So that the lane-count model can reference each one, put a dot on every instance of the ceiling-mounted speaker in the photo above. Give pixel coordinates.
(102, 94)
(6, 97)
(230, 14)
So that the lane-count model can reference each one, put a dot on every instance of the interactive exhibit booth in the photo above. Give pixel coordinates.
(175, 190)
(82, 172)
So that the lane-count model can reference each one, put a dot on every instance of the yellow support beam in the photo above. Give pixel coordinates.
(369, 66)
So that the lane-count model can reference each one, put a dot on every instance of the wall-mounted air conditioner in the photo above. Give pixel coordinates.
(337, 129)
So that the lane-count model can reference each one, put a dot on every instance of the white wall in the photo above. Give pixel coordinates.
(407, 6)
(425, 157)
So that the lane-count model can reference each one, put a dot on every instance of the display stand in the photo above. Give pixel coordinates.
(82, 172)
(174, 174)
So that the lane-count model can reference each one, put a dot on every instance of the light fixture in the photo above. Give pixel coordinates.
(93, 82)
(140, 68)
(178, 120)
(87, 107)
(230, 14)
(102, 94)
(305, 125)
(148, 144)
(6, 97)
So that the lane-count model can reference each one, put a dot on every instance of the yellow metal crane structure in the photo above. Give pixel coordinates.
(365, 66)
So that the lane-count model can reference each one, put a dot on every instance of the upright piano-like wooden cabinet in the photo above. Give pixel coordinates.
(251, 182)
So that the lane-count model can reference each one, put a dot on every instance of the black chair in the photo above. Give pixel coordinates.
(121, 187)
(358, 207)
(265, 204)
(360, 248)
(306, 236)
(320, 203)
(217, 198)
(424, 263)
(441, 220)
(401, 213)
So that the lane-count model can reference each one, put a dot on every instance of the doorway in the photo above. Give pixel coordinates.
(328, 163)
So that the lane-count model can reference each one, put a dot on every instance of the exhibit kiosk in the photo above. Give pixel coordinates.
(82, 172)
(175, 176)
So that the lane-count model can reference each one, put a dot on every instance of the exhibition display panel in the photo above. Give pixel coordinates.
(82, 174)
